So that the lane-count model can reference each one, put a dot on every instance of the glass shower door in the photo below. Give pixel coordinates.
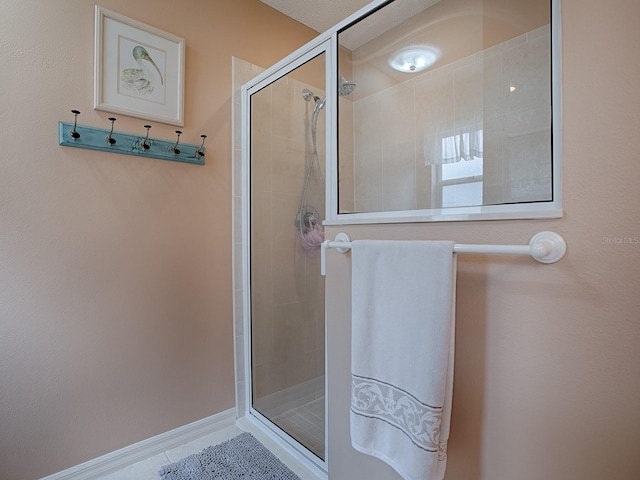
(287, 206)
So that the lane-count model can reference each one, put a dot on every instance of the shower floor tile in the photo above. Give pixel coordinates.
(306, 424)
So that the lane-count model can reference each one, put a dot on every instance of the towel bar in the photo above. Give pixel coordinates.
(545, 247)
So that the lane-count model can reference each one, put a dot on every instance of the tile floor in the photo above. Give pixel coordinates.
(305, 423)
(297, 419)
(148, 469)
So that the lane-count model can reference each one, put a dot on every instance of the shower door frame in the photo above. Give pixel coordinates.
(322, 45)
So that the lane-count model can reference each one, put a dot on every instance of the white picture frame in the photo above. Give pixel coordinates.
(138, 69)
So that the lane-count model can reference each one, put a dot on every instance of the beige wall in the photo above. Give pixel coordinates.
(547, 380)
(115, 271)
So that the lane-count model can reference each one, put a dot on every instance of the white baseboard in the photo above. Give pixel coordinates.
(137, 452)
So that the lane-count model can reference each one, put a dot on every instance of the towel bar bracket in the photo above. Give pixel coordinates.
(342, 238)
(547, 247)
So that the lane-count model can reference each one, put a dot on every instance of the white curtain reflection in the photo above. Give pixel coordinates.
(464, 143)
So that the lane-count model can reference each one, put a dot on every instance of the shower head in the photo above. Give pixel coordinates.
(346, 87)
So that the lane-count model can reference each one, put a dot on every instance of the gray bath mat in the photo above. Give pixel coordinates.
(241, 458)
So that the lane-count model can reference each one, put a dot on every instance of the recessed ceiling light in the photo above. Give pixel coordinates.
(414, 58)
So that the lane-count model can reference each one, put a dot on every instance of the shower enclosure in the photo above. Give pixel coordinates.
(450, 120)
(285, 143)
(284, 178)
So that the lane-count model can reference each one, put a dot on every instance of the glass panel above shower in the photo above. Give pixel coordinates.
(449, 112)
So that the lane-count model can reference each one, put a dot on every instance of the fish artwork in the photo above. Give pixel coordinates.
(141, 81)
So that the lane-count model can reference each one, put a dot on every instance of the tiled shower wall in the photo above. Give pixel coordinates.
(288, 291)
(505, 89)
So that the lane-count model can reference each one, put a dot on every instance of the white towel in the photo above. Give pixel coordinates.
(402, 353)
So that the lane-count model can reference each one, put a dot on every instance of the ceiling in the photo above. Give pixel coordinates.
(320, 15)
(368, 36)
(454, 29)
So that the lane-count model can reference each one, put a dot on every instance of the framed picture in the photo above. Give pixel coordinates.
(139, 70)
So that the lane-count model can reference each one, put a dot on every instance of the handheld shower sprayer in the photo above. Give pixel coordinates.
(308, 95)
(307, 220)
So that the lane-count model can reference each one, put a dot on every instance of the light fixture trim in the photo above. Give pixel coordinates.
(414, 58)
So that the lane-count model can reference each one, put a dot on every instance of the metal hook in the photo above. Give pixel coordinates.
(174, 149)
(199, 153)
(110, 139)
(74, 134)
(145, 145)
